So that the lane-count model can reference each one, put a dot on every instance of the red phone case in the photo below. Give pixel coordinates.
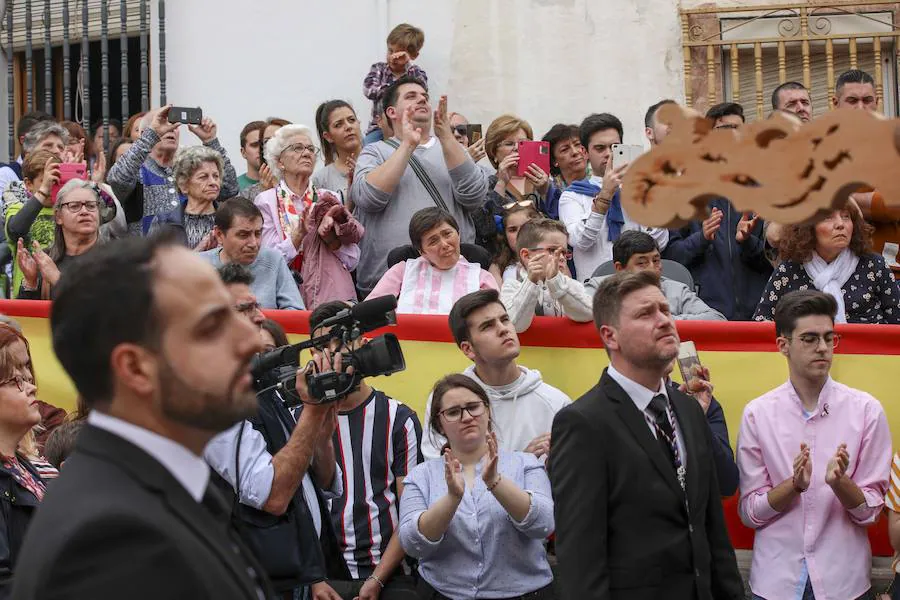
(533, 153)
(68, 172)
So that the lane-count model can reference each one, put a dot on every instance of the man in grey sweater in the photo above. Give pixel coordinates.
(239, 231)
(637, 251)
(386, 189)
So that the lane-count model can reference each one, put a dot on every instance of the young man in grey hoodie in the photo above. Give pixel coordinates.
(522, 405)
(637, 251)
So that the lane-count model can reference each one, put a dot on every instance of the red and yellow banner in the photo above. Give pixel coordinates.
(741, 357)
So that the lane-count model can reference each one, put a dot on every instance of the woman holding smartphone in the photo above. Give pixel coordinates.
(477, 517)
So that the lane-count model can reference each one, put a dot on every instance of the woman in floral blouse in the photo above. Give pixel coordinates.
(834, 255)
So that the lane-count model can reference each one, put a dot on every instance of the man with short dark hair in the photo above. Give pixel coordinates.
(814, 458)
(522, 404)
(379, 442)
(636, 498)
(148, 335)
(591, 208)
(726, 115)
(238, 280)
(409, 171)
(12, 171)
(793, 97)
(251, 150)
(655, 131)
(637, 251)
(285, 466)
(239, 232)
(855, 89)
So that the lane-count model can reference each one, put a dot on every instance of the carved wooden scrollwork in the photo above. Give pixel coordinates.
(780, 168)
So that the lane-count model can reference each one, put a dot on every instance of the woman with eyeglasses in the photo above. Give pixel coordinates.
(834, 255)
(476, 518)
(501, 143)
(326, 240)
(80, 207)
(21, 486)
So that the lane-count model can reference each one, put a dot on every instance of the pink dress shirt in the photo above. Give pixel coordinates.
(816, 533)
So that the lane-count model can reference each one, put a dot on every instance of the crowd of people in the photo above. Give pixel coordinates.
(363, 498)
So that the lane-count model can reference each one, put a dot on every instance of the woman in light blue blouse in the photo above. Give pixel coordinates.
(476, 518)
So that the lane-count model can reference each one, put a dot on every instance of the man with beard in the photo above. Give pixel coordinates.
(148, 334)
(638, 513)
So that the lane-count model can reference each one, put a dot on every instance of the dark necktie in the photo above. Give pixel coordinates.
(665, 435)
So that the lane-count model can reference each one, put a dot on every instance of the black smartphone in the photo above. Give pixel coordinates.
(473, 132)
(186, 115)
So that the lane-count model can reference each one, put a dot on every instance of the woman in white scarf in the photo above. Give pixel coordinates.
(833, 255)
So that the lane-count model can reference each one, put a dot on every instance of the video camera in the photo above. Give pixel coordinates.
(382, 355)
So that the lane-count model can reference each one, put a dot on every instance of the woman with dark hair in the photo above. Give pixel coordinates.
(273, 335)
(568, 158)
(80, 208)
(21, 486)
(476, 518)
(341, 139)
(833, 254)
(433, 282)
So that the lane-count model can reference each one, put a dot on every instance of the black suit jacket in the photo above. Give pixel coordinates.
(117, 524)
(622, 529)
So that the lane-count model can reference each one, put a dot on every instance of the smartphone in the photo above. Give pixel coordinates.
(687, 359)
(68, 172)
(186, 115)
(473, 132)
(624, 153)
(533, 153)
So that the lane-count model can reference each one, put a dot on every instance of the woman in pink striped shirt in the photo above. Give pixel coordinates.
(433, 282)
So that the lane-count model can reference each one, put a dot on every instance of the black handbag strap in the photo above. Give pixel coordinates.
(423, 176)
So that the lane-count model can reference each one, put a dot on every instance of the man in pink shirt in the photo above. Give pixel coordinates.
(814, 458)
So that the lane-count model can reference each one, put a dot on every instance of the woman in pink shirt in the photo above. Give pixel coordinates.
(432, 283)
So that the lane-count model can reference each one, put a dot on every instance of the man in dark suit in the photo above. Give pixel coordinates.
(149, 336)
(638, 514)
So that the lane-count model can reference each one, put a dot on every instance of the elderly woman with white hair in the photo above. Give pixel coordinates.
(198, 172)
(80, 208)
(291, 211)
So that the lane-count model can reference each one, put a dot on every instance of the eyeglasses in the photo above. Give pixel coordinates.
(301, 148)
(75, 207)
(454, 413)
(247, 308)
(557, 251)
(811, 340)
(460, 130)
(19, 380)
(727, 126)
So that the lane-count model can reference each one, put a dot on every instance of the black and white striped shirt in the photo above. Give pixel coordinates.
(375, 443)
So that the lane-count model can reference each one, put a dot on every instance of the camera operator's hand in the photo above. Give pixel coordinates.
(323, 591)
(325, 361)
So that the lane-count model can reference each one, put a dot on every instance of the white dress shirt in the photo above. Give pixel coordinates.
(257, 472)
(189, 469)
(641, 397)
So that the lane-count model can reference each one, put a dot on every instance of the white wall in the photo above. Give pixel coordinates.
(545, 60)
